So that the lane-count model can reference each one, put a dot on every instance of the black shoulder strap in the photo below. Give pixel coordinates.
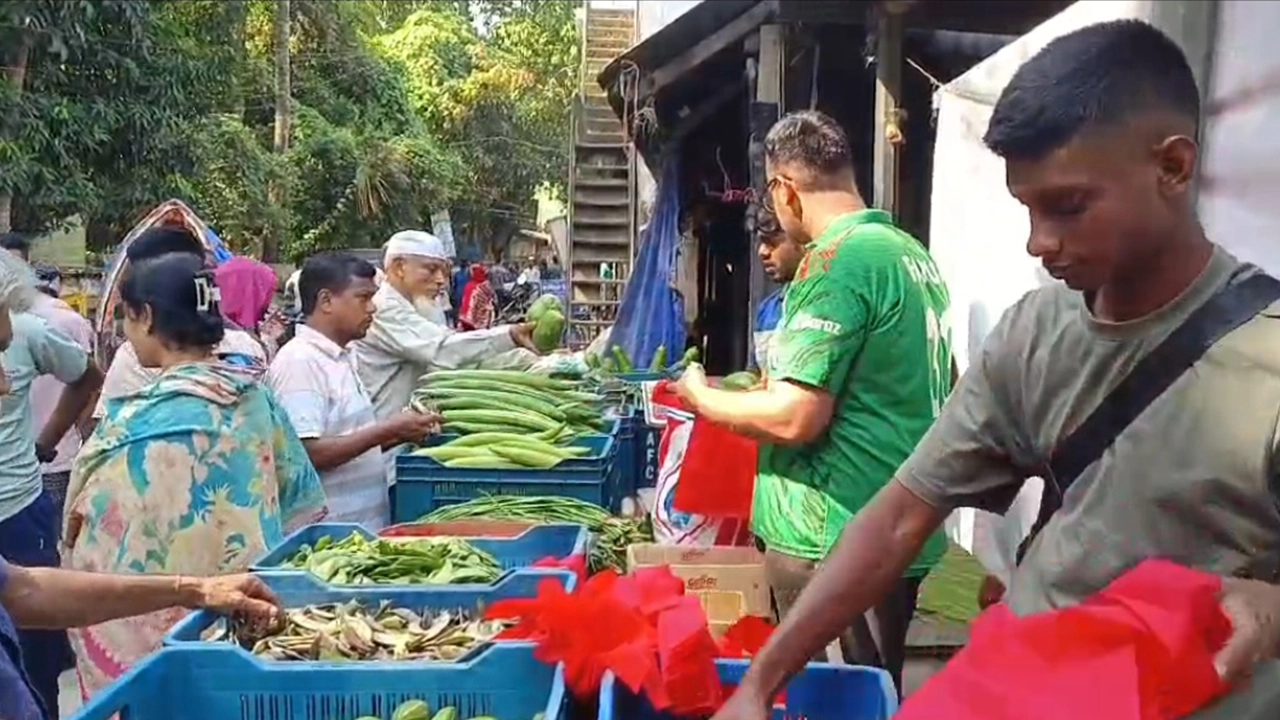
(1249, 292)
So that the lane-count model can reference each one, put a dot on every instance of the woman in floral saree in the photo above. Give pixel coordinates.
(198, 473)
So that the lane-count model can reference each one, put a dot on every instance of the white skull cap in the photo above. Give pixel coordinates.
(413, 243)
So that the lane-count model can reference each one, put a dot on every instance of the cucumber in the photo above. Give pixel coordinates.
(659, 359)
(510, 418)
(526, 457)
(495, 401)
(470, 428)
(624, 362)
(442, 453)
(485, 438)
(515, 377)
(455, 388)
(483, 462)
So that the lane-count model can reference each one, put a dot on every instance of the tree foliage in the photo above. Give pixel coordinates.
(401, 109)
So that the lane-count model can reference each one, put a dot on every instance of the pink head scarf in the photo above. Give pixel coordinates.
(247, 288)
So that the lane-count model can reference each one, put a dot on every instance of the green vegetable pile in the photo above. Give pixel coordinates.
(424, 561)
(617, 361)
(612, 534)
(420, 710)
(508, 419)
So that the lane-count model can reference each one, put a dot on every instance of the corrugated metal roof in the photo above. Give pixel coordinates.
(677, 36)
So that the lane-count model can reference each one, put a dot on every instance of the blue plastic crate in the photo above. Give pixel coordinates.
(423, 485)
(527, 548)
(506, 682)
(298, 589)
(626, 477)
(821, 692)
(644, 454)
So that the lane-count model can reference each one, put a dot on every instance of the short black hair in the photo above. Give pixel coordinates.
(332, 271)
(811, 140)
(157, 241)
(767, 225)
(16, 242)
(1098, 76)
(168, 284)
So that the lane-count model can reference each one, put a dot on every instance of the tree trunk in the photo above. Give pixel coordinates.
(284, 117)
(239, 17)
(15, 76)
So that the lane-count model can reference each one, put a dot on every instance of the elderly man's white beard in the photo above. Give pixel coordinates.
(425, 306)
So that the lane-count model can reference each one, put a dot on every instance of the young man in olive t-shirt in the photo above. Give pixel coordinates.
(857, 370)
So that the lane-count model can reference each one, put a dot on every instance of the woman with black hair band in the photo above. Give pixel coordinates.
(199, 473)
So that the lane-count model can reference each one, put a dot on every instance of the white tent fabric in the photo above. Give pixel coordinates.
(1241, 170)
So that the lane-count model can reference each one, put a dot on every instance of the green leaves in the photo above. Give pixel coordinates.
(401, 108)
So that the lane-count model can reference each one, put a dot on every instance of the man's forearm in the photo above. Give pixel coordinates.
(873, 552)
(330, 452)
(51, 598)
(74, 400)
(756, 413)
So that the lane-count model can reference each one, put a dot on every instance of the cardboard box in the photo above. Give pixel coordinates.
(729, 581)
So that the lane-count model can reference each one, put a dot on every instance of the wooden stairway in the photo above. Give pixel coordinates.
(602, 185)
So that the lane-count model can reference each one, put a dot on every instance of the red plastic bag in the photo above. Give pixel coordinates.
(718, 476)
(575, 563)
(1142, 649)
(640, 626)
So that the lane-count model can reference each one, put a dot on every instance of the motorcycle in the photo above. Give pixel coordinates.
(513, 303)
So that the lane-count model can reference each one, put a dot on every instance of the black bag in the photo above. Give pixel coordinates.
(1248, 292)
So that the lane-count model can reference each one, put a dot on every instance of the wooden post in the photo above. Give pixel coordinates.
(888, 28)
(768, 107)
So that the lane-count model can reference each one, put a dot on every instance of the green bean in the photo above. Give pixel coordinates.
(611, 534)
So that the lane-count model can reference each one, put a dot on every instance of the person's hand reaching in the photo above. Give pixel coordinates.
(522, 336)
(243, 595)
(412, 427)
(691, 381)
(1253, 607)
(743, 704)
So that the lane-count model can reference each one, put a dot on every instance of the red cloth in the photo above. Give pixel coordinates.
(718, 474)
(247, 288)
(1142, 649)
(576, 563)
(478, 301)
(640, 626)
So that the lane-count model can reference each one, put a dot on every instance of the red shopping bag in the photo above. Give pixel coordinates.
(718, 477)
(1142, 649)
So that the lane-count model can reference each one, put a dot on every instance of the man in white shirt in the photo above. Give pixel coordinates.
(47, 389)
(315, 380)
(125, 375)
(402, 343)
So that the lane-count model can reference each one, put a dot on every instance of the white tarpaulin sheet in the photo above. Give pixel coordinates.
(1241, 171)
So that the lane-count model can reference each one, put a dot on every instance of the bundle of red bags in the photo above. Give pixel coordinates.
(642, 627)
(1142, 649)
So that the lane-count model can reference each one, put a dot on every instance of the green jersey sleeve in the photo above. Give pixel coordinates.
(824, 325)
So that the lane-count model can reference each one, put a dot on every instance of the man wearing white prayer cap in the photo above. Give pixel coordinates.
(402, 343)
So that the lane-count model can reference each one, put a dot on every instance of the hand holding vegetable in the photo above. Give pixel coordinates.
(691, 382)
(412, 426)
(522, 336)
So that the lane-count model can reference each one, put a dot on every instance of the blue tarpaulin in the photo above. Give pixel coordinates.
(652, 312)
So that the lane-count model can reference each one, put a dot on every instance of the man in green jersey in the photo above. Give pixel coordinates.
(857, 370)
